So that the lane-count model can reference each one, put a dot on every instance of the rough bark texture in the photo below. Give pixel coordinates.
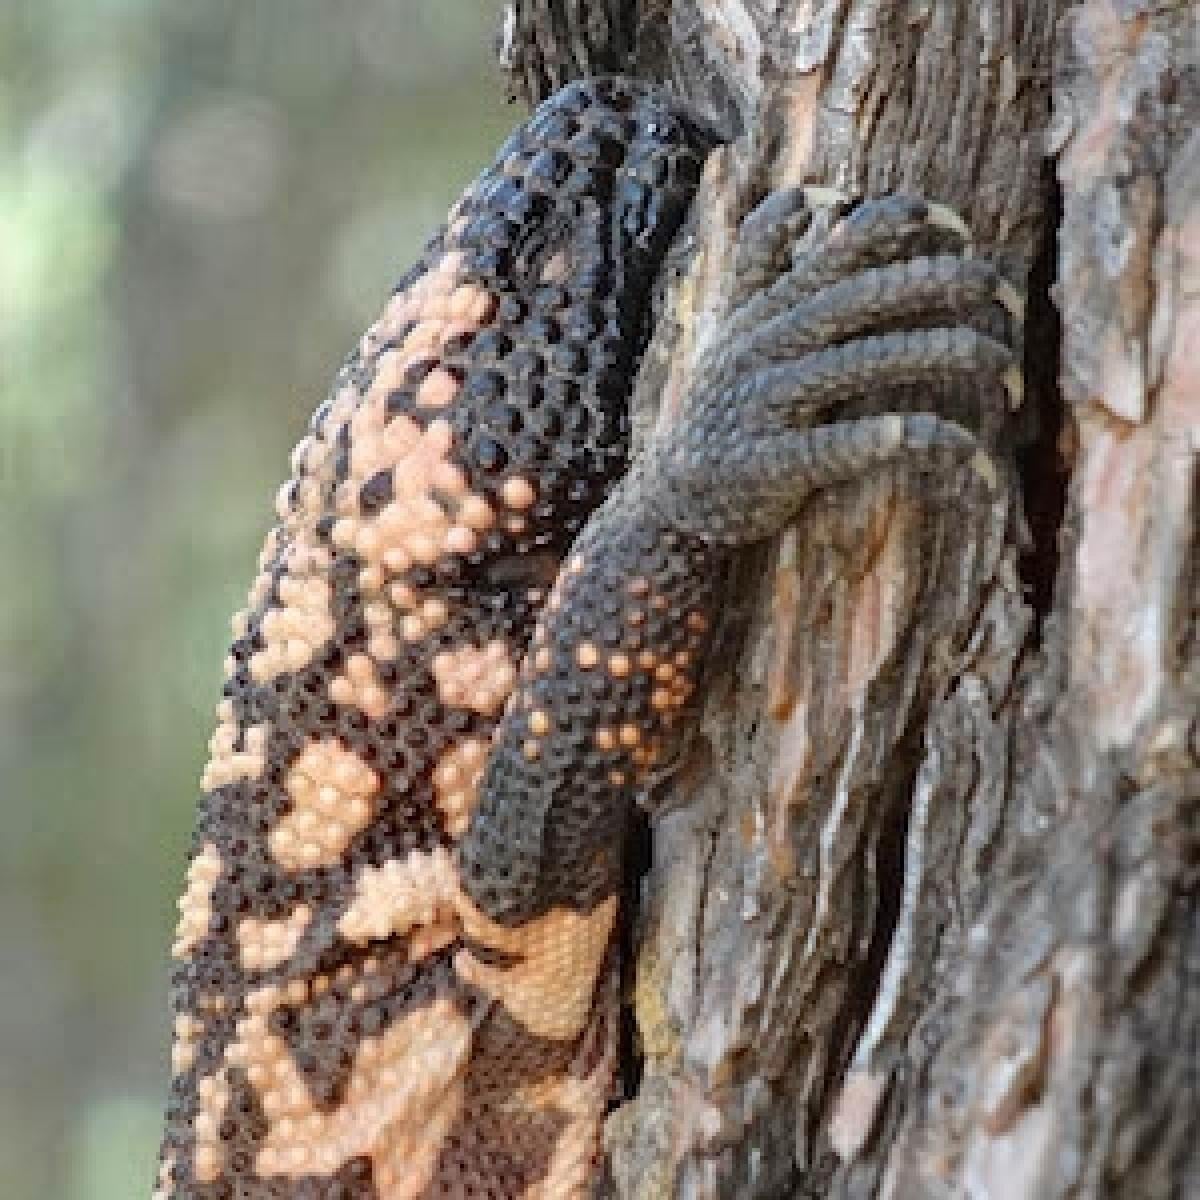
(920, 918)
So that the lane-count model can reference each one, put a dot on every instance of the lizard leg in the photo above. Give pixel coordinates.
(607, 690)
(875, 317)
(609, 686)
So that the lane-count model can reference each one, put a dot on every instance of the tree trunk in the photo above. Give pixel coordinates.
(920, 912)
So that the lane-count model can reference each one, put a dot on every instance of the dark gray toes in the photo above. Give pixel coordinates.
(920, 293)
(782, 395)
(752, 488)
(876, 232)
(900, 217)
(885, 311)
(769, 232)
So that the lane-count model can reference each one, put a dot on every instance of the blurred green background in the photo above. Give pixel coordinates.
(202, 202)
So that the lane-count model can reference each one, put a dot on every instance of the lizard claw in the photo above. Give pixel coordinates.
(944, 217)
(1011, 300)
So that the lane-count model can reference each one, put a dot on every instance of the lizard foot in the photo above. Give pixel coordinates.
(840, 365)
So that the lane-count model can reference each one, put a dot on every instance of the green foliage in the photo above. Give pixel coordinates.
(201, 205)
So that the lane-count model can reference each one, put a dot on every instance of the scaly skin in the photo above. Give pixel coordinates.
(337, 1031)
(798, 395)
(396, 973)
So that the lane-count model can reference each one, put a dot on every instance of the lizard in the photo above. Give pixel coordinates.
(478, 634)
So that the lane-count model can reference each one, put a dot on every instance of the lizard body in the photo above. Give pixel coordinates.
(330, 1038)
(395, 971)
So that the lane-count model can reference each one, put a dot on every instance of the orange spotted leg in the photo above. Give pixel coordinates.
(874, 315)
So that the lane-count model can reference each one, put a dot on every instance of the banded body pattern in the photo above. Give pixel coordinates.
(347, 1020)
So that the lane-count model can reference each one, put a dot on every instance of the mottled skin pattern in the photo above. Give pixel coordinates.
(819, 354)
(395, 963)
(346, 1023)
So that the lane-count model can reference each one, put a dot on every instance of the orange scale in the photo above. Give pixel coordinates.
(400, 436)
(448, 478)
(420, 343)
(428, 513)
(461, 540)
(394, 521)
(485, 308)
(466, 300)
(436, 306)
(518, 492)
(423, 549)
(396, 559)
(367, 542)
(389, 375)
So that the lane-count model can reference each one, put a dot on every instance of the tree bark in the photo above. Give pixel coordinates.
(920, 913)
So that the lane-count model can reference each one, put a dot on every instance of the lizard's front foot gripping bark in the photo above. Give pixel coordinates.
(842, 358)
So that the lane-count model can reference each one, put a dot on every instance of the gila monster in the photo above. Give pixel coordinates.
(394, 970)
